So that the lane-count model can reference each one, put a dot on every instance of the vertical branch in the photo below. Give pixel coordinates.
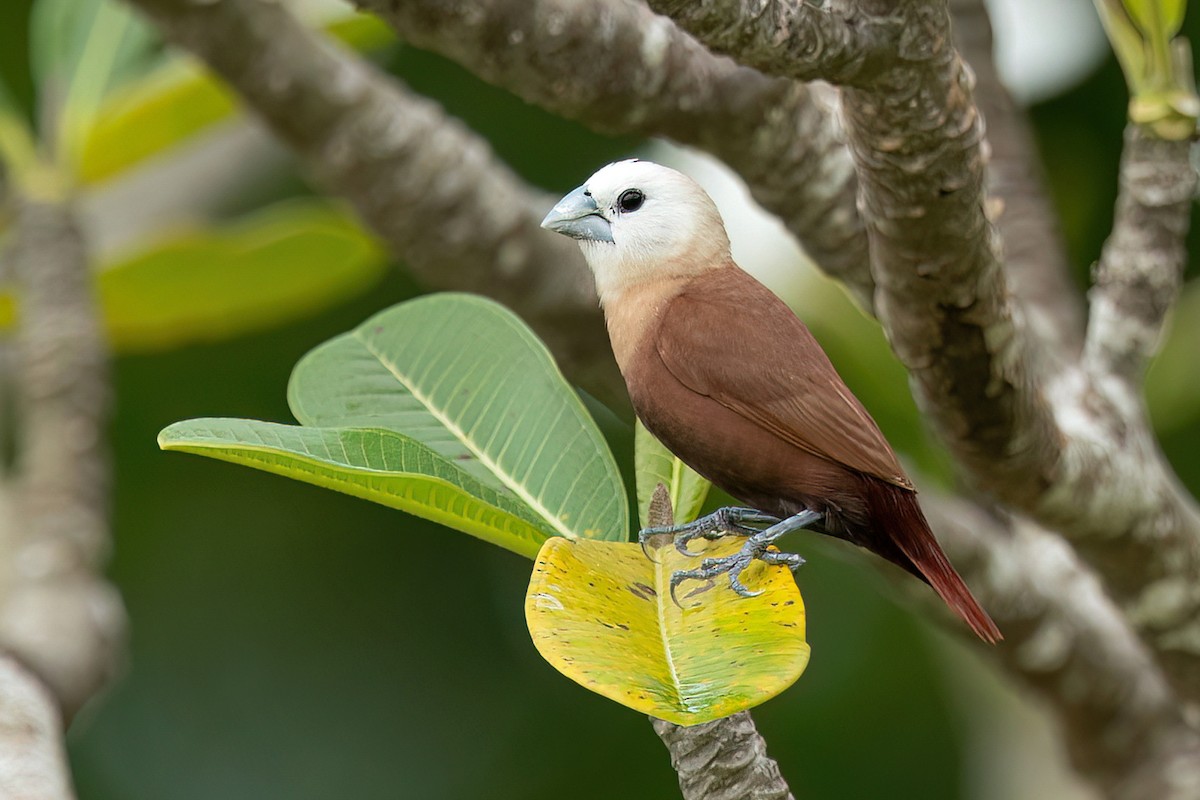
(1035, 255)
(721, 760)
(1141, 266)
(33, 762)
(57, 615)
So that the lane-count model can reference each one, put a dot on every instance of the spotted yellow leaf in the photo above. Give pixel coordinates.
(601, 614)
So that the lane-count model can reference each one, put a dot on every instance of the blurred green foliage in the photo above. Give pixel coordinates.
(326, 647)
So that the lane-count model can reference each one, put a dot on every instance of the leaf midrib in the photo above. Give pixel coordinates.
(330, 467)
(662, 591)
(508, 480)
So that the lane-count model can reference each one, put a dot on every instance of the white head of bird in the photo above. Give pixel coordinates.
(637, 221)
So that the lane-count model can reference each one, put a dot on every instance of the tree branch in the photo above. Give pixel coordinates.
(721, 760)
(1141, 266)
(33, 761)
(790, 37)
(1035, 255)
(619, 68)
(1068, 643)
(56, 614)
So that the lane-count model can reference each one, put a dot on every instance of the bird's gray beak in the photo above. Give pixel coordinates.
(578, 216)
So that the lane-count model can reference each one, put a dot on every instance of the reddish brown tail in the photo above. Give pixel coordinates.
(896, 514)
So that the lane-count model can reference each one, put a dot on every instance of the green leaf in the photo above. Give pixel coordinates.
(81, 48)
(467, 378)
(655, 464)
(1173, 12)
(1126, 40)
(601, 614)
(378, 465)
(1145, 14)
(280, 264)
(180, 100)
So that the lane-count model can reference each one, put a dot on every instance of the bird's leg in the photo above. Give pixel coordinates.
(722, 522)
(755, 547)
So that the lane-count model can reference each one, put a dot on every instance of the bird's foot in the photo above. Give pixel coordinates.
(717, 525)
(756, 547)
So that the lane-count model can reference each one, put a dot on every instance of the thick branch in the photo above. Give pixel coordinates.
(56, 614)
(429, 187)
(33, 761)
(721, 760)
(789, 37)
(1035, 256)
(617, 67)
(1074, 648)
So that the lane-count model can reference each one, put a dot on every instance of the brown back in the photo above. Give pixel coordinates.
(728, 337)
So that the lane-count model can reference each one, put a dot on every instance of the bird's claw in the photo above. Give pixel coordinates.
(717, 525)
(681, 540)
(734, 566)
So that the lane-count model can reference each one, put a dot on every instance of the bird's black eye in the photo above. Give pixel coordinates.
(631, 200)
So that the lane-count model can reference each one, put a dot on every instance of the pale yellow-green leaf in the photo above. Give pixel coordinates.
(172, 104)
(377, 465)
(601, 613)
(280, 264)
(655, 464)
(180, 100)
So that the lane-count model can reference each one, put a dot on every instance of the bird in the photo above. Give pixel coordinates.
(733, 383)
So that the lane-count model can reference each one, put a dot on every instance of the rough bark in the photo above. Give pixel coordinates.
(722, 760)
(1035, 255)
(797, 39)
(1069, 644)
(617, 67)
(56, 613)
(33, 760)
(61, 625)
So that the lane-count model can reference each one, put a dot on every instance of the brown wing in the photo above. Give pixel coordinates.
(729, 337)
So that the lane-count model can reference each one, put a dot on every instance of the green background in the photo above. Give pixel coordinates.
(294, 643)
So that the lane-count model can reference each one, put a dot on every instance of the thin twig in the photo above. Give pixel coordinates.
(1141, 266)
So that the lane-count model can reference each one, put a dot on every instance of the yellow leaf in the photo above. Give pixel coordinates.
(601, 614)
